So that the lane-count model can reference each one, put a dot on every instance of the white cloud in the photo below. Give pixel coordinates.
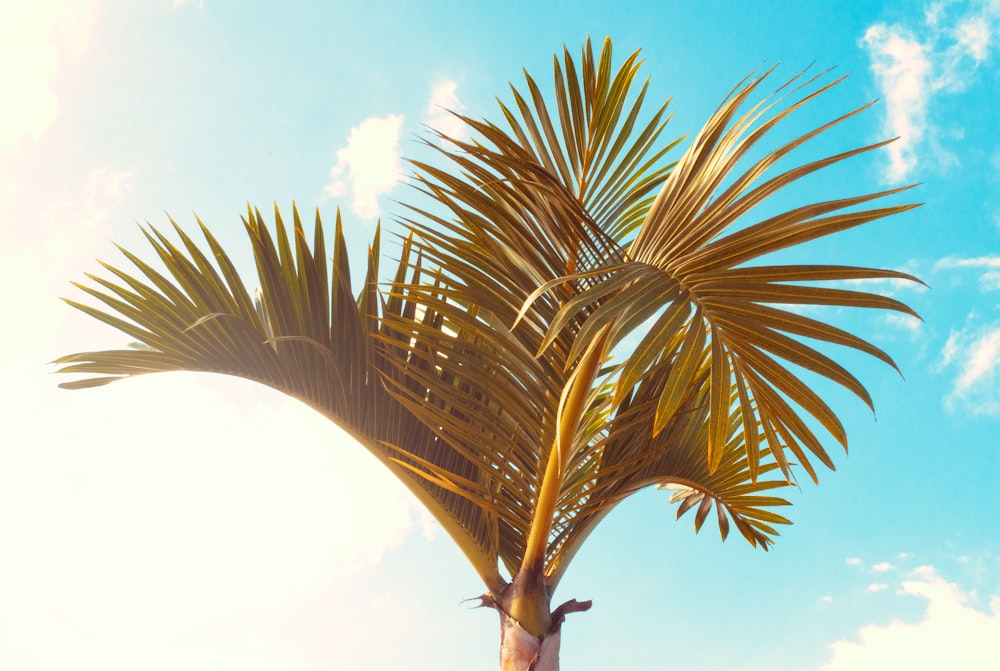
(369, 165)
(983, 357)
(949, 353)
(177, 4)
(877, 587)
(853, 561)
(973, 35)
(989, 280)
(950, 262)
(443, 101)
(913, 64)
(34, 38)
(882, 567)
(951, 635)
(975, 353)
(904, 322)
(901, 67)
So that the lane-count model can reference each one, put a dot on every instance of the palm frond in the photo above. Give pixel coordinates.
(482, 374)
(631, 457)
(307, 336)
(527, 206)
(684, 249)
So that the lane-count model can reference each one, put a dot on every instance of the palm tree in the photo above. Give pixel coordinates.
(573, 320)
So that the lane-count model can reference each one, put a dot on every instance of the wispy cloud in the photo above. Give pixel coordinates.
(989, 280)
(443, 101)
(951, 635)
(877, 587)
(973, 36)
(907, 323)
(974, 352)
(369, 165)
(913, 64)
(853, 561)
(974, 262)
(882, 567)
(902, 68)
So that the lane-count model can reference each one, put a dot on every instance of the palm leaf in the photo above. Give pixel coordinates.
(683, 243)
(527, 206)
(308, 336)
(482, 375)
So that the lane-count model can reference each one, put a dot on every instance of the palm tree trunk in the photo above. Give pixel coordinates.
(520, 650)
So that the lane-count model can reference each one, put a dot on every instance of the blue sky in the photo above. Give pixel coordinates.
(191, 522)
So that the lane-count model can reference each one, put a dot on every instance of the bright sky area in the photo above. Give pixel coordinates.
(190, 522)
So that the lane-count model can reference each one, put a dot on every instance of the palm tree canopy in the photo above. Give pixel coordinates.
(575, 320)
